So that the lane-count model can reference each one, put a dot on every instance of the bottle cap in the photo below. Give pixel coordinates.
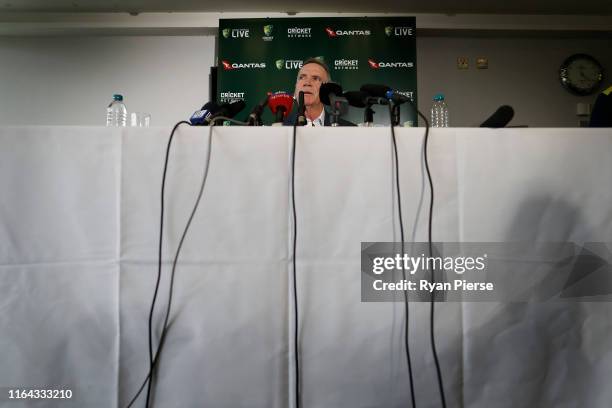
(117, 97)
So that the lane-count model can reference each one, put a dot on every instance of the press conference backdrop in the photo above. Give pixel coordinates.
(256, 56)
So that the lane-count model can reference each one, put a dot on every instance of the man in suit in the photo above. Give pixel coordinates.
(601, 116)
(311, 76)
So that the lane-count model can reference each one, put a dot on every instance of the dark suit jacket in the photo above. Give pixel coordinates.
(290, 121)
(601, 116)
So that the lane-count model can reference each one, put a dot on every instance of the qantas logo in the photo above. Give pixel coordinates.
(331, 33)
(228, 66)
(373, 64)
(383, 64)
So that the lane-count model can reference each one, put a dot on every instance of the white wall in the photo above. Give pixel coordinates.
(71, 80)
(523, 73)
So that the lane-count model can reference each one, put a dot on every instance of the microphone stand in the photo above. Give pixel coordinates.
(334, 118)
(368, 115)
(335, 113)
(280, 114)
(395, 115)
(301, 114)
(339, 107)
(255, 119)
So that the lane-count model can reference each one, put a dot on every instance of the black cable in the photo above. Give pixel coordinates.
(232, 120)
(159, 258)
(430, 243)
(176, 257)
(139, 390)
(159, 261)
(295, 297)
(153, 361)
(401, 223)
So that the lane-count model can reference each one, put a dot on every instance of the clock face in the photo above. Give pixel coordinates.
(581, 74)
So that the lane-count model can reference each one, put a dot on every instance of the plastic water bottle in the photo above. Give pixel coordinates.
(116, 113)
(439, 112)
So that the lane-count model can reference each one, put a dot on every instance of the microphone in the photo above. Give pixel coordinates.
(371, 95)
(394, 97)
(386, 92)
(330, 94)
(375, 90)
(280, 103)
(376, 93)
(500, 118)
(254, 118)
(301, 113)
(328, 90)
(357, 99)
(201, 117)
(228, 110)
(397, 98)
(361, 99)
(232, 109)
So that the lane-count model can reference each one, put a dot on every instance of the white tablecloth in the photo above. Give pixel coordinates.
(79, 216)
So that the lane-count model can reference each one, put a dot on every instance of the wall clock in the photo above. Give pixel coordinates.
(581, 74)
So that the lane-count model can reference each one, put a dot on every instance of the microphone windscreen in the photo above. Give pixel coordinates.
(211, 107)
(201, 116)
(375, 90)
(280, 99)
(234, 108)
(500, 118)
(327, 89)
(356, 98)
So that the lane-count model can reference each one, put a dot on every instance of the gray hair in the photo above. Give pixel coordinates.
(320, 63)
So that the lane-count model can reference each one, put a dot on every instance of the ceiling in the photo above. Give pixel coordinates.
(552, 7)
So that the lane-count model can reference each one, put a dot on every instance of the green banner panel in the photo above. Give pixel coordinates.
(257, 56)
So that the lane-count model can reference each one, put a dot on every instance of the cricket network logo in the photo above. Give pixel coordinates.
(399, 31)
(288, 64)
(384, 64)
(299, 32)
(231, 96)
(228, 66)
(268, 29)
(346, 64)
(235, 33)
(331, 33)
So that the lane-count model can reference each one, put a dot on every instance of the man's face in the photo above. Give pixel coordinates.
(309, 80)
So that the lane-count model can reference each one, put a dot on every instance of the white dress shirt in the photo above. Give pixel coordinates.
(320, 121)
